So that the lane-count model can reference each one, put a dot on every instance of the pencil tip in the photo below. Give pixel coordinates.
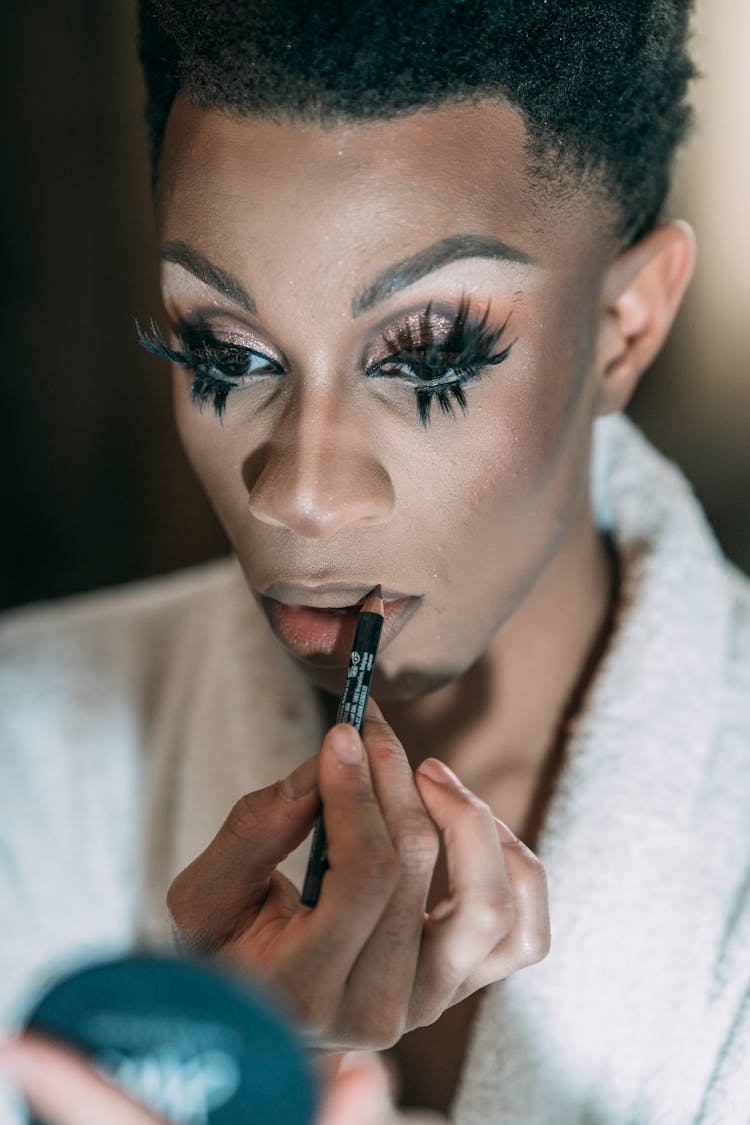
(373, 603)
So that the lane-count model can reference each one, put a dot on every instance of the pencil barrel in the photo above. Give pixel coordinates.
(351, 710)
(359, 673)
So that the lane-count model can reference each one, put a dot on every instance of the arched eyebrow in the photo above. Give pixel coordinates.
(401, 274)
(199, 266)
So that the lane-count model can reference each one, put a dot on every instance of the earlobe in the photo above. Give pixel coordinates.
(642, 292)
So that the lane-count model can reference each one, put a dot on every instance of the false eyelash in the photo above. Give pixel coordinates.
(201, 361)
(466, 350)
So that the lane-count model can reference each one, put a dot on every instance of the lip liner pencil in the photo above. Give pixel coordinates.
(351, 710)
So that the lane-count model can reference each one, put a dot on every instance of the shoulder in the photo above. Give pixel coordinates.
(109, 630)
(85, 672)
(130, 607)
(80, 681)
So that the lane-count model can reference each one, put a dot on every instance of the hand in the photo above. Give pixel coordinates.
(64, 1089)
(366, 964)
(359, 1092)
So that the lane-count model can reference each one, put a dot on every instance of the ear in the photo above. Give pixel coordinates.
(642, 292)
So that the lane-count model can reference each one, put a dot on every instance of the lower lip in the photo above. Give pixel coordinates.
(326, 638)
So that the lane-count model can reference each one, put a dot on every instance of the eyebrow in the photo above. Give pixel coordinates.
(401, 274)
(200, 266)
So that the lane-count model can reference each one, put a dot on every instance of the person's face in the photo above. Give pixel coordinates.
(321, 470)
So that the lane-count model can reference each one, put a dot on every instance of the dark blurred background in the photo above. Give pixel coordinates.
(94, 487)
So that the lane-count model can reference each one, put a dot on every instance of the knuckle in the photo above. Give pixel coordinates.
(190, 932)
(477, 805)
(181, 899)
(493, 920)
(381, 736)
(383, 745)
(308, 1011)
(175, 899)
(314, 1017)
(418, 846)
(376, 870)
(381, 1029)
(537, 869)
(535, 946)
(243, 821)
(472, 804)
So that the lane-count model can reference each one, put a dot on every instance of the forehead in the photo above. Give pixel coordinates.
(416, 178)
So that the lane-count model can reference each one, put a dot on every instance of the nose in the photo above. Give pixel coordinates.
(319, 472)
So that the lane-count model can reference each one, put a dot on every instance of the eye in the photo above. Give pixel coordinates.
(438, 368)
(218, 365)
(433, 367)
(232, 362)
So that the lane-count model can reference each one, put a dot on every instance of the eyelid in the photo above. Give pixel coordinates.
(202, 321)
(441, 317)
(432, 325)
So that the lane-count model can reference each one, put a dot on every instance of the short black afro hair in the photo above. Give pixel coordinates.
(601, 84)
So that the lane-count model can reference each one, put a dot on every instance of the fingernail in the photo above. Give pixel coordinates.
(346, 743)
(301, 780)
(438, 771)
(505, 834)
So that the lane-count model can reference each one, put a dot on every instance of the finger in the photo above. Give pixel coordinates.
(481, 908)
(359, 1091)
(391, 953)
(64, 1089)
(529, 940)
(230, 878)
(362, 861)
(256, 947)
(320, 945)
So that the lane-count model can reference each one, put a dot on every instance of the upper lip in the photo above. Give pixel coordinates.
(329, 595)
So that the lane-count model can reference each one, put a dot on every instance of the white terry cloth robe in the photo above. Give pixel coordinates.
(131, 721)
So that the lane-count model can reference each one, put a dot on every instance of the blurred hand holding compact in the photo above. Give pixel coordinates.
(59, 1084)
(367, 964)
(149, 1037)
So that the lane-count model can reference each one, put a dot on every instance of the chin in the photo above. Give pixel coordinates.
(411, 683)
(398, 687)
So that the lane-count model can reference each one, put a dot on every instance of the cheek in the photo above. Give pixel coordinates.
(514, 480)
(522, 440)
(208, 447)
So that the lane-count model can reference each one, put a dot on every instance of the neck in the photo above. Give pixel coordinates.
(504, 714)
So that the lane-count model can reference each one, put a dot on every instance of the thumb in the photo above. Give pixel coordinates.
(360, 1091)
(64, 1089)
(231, 877)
